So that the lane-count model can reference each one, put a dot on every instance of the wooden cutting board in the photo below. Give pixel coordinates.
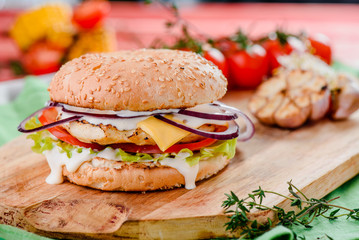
(318, 158)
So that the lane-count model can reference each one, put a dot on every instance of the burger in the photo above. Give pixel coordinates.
(136, 121)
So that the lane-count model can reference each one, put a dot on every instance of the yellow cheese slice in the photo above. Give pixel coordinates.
(164, 134)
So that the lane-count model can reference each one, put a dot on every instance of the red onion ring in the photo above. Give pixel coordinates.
(212, 116)
(215, 116)
(231, 132)
(21, 127)
(250, 130)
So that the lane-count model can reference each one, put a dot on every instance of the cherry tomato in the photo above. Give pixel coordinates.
(275, 49)
(215, 56)
(248, 68)
(226, 46)
(42, 58)
(49, 115)
(320, 46)
(90, 13)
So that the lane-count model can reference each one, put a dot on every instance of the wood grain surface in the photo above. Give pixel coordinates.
(318, 158)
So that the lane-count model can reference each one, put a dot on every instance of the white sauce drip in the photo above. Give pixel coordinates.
(129, 124)
(57, 160)
(179, 162)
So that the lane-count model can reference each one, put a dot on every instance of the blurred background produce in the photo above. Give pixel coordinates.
(51, 34)
(244, 41)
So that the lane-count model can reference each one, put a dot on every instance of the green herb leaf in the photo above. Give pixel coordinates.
(309, 209)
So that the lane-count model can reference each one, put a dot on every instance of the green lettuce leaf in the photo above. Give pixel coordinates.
(227, 148)
(42, 139)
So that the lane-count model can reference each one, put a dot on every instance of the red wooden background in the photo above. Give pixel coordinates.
(137, 22)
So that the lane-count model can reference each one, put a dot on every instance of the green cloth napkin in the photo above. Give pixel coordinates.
(33, 97)
(13, 233)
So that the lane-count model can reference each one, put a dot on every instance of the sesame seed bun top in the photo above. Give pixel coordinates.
(140, 80)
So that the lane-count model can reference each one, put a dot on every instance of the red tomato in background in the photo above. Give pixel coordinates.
(248, 68)
(215, 56)
(275, 49)
(226, 46)
(89, 13)
(42, 58)
(320, 46)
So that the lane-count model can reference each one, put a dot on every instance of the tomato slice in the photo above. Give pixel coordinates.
(130, 147)
(49, 115)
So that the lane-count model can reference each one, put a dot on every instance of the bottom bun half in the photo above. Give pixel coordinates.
(111, 175)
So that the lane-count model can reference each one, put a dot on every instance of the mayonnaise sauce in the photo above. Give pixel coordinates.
(56, 159)
(179, 163)
(128, 124)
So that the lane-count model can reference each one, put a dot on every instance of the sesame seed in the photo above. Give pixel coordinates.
(96, 67)
(117, 76)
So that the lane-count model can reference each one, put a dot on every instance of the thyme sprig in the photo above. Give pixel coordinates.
(189, 36)
(303, 211)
